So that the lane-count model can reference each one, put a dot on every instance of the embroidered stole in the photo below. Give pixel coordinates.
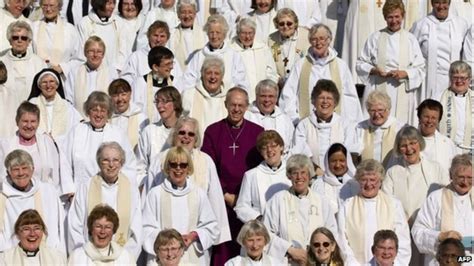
(150, 96)
(53, 51)
(301, 47)
(305, 87)
(81, 91)
(3, 204)
(312, 134)
(124, 201)
(402, 97)
(59, 121)
(356, 221)
(447, 207)
(388, 138)
(449, 125)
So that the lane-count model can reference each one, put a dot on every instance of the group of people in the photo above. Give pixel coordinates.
(225, 132)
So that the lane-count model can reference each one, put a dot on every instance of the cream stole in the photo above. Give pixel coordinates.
(199, 177)
(305, 87)
(191, 254)
(180, 45)
(124, 202)
(275, 46)
(369, 13)
(51, 51)
(312, 134)
(60, 117)
(447, 207)
(80, 87)
(356, 221)
(449, 125)
(293, 224)
(94, 254)
(401, 106)
(46, 257)
(46, 176)
(200, 109)
(150, 96)
(132, 130)
(3, 204)
(388, 138)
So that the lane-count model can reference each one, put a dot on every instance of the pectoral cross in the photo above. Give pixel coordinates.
(285, 61)
(379, 3)
(233, 147)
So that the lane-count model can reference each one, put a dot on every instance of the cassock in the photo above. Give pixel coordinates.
(295, 98)
(42, 197)
(278, 121)
(113, 254)
(259, 64)
(133, 121)
(442, 211)
(307, 11)
(233, 151)
(333, 15)
(235, 73)
(184, 42)
(258, 187)
(159, 13)
(440, 149)
(45, 256)
(10, 99)
(49, 161)
(264, 23)
(81, 147)
(122, 197)
(6, 18)
(313, 138)
(184, 209)
(360, 218)
(291, 220)
(245, 260)
(441, 44)
(393, 51)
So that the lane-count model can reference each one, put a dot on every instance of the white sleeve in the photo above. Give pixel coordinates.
(403, 233)
(243, 207)
(425, 229)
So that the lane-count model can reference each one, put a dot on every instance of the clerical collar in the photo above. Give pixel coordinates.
(30, 253)
(270, 114)
(321, 121)
(302, 195)
(460, 94)
(340, 179)
(179, 188)
(159, 81)
(19, 55)
(186, 28)
(103, 19)
(274, 168)
(212, 49)
(232, 126)
(213, 94)
(95, 129)
(54, 20)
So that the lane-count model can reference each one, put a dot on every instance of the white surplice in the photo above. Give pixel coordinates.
(133, 121)
(128, 43)
(333, 15)
(10, 99)
(184, 42)
(307, 11)
(440, 149)
(6, 18)
(245, 260)
(159, 13)
(45, 256)
(110, 256)
(264, 23)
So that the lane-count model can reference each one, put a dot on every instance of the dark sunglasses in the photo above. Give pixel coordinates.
(189, 133)
(288, 24)
(23, 38)
(325, 244)
(180, 165)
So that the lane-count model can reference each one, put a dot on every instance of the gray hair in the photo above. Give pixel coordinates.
(219, 20)
(211, 61)
(460, 67)
(285, 12)
(378, 96)
(318, 26)
(459, 161)
(246, 22)
(253, 228)
(182, 3)
(18, 157)
(369, 165)
(183, 120)
(99, 98)
(266, 84)
(17, 25)
(7, 3)
(299, 161)
(60, 3)
(408, 133)
(110, 145)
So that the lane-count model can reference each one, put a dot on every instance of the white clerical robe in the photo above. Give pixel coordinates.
(45, 199)
(128, 43)
(462, 8)
(81, 147)
(414, 11)
(441, 44)
(6, 19)
(314, 138)
(428, 223)
(184, 42)
(333, 15)
(49, 161)
(234, 67)
(189, 210)
(245, 260)
(259, 64)
(411, 184)
(232, 10)
(10, 99)
(57, 42)
(159, 13)
(258, 187)
(467, 55)
(440, 149)
(45, 256)
(264, 23)
(21, 71)
(320, 69)
(402, 52)
(278, 121)
(78, 232)
(369, 224)
(307, 11)
(278, 216)
(204, 107)
(133, 121)
(113, 254)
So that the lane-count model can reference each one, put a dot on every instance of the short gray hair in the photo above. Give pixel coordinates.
(460, 160)
(18, 25)
(252, 228)
(408, 133)
(182, 3)
(266, 84)
(211, 61)
(246, 22)
(460, 67)
(99, 98)
(60, 3)
(18, 157)
(318, 26)
(299, 161)
(219, 20)
(378, 96)
(369, 165)
(110, 145)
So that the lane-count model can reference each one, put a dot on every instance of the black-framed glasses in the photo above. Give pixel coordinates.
(189, 133)
(283, 23)
(23, 38)
(180, 165)
(318, 244)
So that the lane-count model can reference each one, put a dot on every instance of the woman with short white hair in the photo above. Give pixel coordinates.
(11, 11)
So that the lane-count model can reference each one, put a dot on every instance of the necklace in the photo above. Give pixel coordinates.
(234, 140)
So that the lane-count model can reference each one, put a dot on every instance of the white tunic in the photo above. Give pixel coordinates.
(462, 8)
(307, 11)
(45, 256)
(244, 260)
(51, 211)
(258, 187)
(6, 19)
(121, 256)
(185, 42)
(467, 55)
(166, 15)
(264, 24)
(440, 149)
(320, 69)
(10, 99)
(125, 121)
(77, 216)
(333, 15)
(128, 43)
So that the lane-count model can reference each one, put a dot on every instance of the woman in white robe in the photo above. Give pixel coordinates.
(11, 12)
(180, 204)
(263, 14)
(10, 99)
(262, 182)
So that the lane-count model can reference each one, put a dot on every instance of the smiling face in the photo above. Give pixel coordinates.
(216, 35)
(324, 104)
(462, 179)
(165, 107)
(385, 252)
(94, 55)
(186, 136)
(410, 150)
(19, 41)
(338, 163)
(102, 232)
(50, 9)
(27, 125)
(286, 26)
(21, 175)
(178, 171)
(170, 254)
(271, 153)
(246, 36)
(48, 87)
(30, 236)
(378, 114)
(440, 8)
(129, 10)
(164, 69)
(186, 15)
(98, 116)
(121, 101)
(16, 7)
(110, 164)
(263, 6)
(157, 38)
(212, 79)
(236, 105)
(429, 120)
(108, 9)
(459, 82)
(300, 180)
(254, 245)
(266, 100)
(394, 20)
(320, 42)
(369, 184)
(322, 248)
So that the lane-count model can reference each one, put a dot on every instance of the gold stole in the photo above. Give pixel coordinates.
(447, 207)
(56, 48)
(179, 44)
(3, 204)
(388, 138)
(275, 46)
(132, 130)
(199, 177)
(150, 96)
(401, 112)
(312, 135)
(59, 121)
(295, 228)
(80, 86)
(370, 13)
(124, 202)
(356, 221)
(305, 87)
(449, 126)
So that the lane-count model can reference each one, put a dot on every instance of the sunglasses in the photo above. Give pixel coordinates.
(189, 133)
(288, 24)
(325, 244)
(23, 38)
(180, 165)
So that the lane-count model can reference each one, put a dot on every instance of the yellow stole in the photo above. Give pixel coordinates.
(80, 86)
(180, 47)
(388, 138)
(447, 207)
(56, 49)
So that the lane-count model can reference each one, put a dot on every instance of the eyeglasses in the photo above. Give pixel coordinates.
(31, 229)
(318, 244)
(162, 101)
(318, 39)
(106, 227)
(48, 6)
(169, 250)
(189, 133)
(97, 52)
(271, 146)
(459, 78)
(23, 38)
(283, 23)
(377, 111)
(176, 165)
